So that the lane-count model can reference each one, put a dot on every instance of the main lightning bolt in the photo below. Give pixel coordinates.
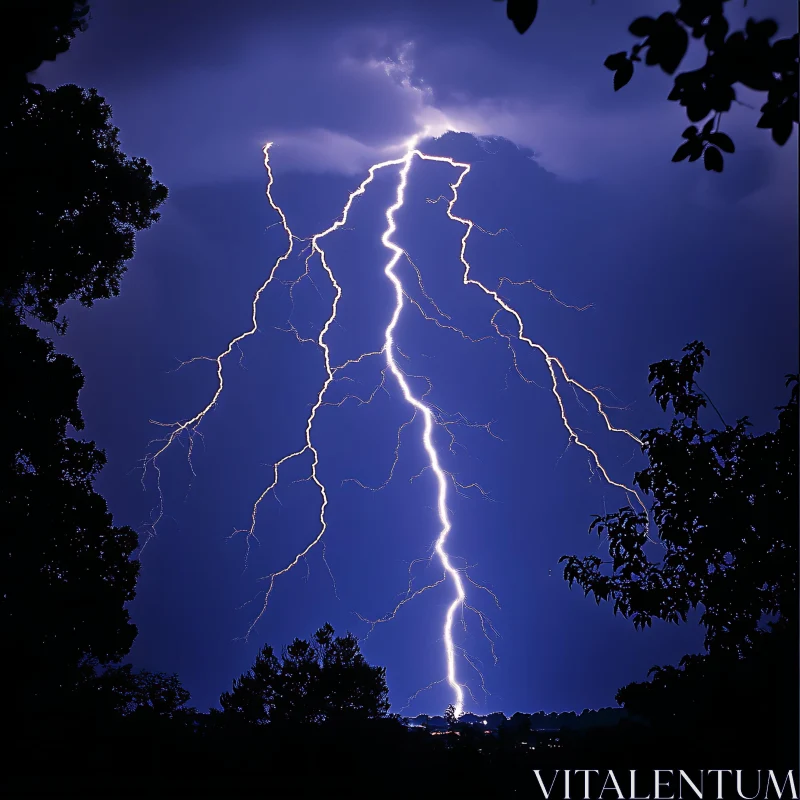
(430, 414)
(427, 437)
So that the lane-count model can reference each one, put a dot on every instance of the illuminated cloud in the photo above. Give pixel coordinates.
(565, 138)
(364, 77)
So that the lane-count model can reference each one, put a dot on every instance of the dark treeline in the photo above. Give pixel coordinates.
(315, 718)
(540, 721)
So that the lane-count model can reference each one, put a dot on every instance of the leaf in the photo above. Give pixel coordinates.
(615, 61)
(716, 31)
(784, 55)
(707, 127)
(781, 131)
(697, 107)
(721, 95)
(683, 151)
(674, 45)
(690, 132)
(522, 13)
(623, 75)
(767, 118)
(712, 158)
(723, 141)
(642, 26)
(765, 29)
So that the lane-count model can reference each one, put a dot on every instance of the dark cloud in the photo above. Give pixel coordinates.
(338, 85)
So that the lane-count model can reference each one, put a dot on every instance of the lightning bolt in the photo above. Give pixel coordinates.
(420, 407)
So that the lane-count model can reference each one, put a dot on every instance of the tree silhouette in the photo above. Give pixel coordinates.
(64, 568)
(142, 694)
(746, 705)
(72, 203)
(516, 729)
(725, 504)
(42, 29)
(745, 57)
(326, 679)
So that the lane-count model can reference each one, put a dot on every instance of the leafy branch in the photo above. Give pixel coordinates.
(747, 57)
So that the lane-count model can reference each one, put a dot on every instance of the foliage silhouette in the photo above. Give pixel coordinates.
(72, 200)
(72, 203)
(142, 694)
(323, 680)
(729, 698)
(522, 13)
(42, 30)
(65, 568)
(745, 57)
(516, 729)
(725, 503)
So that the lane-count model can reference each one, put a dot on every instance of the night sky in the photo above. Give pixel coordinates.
(579, 176)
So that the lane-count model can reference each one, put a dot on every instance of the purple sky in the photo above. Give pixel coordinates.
(582, 179)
